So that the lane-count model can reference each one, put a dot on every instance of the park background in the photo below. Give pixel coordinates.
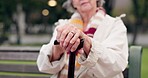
(31, 22)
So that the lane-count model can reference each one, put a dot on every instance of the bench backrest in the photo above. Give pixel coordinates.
(135, 55)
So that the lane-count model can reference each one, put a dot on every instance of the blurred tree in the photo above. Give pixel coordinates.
(109, 6)
(6, 9)
(32, 9)
(140, 11)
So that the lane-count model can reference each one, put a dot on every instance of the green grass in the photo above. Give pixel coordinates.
(144, 70)
(23, 74)
(17, 62)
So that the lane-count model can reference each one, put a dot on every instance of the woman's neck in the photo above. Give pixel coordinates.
(86, 16)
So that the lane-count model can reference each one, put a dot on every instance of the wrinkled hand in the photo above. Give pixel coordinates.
(69, 37)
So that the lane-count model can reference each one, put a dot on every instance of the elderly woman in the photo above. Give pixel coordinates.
(105, 50)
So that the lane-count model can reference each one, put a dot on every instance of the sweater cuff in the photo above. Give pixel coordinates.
(45, 65)
(93, 56)
(57, 63)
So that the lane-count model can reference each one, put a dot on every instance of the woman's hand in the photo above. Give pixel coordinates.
(69, 37)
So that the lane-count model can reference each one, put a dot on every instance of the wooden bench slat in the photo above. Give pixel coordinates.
(19, 49)
(19, 68)
(18, 56)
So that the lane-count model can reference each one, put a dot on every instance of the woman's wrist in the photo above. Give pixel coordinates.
(56, 53)
(87, 45)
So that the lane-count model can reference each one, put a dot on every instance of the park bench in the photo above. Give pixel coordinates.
(20, 62)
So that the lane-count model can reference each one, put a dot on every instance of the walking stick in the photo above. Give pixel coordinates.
(72, 57)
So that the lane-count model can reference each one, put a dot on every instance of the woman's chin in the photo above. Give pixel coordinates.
(85, 9)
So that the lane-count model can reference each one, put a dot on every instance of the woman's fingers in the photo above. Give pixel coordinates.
(62, 33)
(75, 45)
(67, 39)
(59, 31)
(63, 37)
(76, 36)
